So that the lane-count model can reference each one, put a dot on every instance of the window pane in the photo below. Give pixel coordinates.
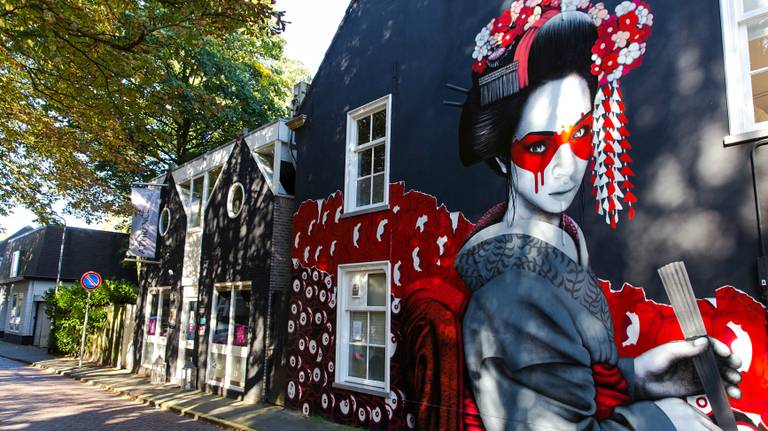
(242, 310)
(363, 130)
(357, 361)
(364, 163)
(364, 192)
(196, 201)
(166, 295)
(758, 44)
(358, 327)
(185, 188)
(213, 174)
(377, 289)
(191, 319)
(750, 5)
(218, 367)
(376, 363)
(760, 96)
(237, 377)
(378, 188)
(378, 328)
(380, 124)
(378, 159)
(266, 161)
(154, 298)
(221, 331)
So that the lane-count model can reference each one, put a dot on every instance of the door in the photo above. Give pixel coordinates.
(157, 314)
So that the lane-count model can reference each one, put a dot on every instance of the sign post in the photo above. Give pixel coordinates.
(90, 281)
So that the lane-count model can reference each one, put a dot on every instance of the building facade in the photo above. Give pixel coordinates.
(377, 308)
(209, 302)
(29, 262)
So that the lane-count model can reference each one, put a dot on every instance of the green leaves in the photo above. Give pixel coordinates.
(100, 94)
(67, 310)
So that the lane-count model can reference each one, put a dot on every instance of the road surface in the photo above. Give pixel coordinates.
(34, 400)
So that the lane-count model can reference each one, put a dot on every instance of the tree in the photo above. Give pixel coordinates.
(100, 94)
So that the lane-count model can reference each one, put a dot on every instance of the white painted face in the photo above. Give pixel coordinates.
(552, 144)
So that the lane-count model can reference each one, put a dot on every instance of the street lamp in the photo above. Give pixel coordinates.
(58, 276)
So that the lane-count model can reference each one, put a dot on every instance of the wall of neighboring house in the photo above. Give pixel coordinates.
(166, 273)
(236, 249)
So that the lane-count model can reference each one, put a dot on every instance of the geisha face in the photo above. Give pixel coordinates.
(552, 144)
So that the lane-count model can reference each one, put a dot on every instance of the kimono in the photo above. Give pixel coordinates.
(538, 337)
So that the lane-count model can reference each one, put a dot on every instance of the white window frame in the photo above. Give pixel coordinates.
(741, 116)
(343, 311)
(16, 313)
(352, 150)
(206, 178)
(229, 349)
(15, 259)
(231, 212)
(157, 340)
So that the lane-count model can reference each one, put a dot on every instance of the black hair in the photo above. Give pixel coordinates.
(563, 46)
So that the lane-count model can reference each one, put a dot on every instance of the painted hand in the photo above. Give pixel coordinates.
(668, 371)
(685, 417)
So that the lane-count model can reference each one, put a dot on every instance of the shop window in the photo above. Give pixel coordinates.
(367, 157)
(15, 264)
(363, 326)
(158, 310)
(17, 306)
(229, 335)
(235, 199)
(745, 43)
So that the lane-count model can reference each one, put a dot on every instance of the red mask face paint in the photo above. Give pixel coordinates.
(535, 151)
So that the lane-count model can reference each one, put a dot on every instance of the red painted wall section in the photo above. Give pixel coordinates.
(421, 238)
(732, 317)
(428, 298)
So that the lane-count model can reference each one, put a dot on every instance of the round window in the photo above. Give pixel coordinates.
(165, 221)
(235, 200)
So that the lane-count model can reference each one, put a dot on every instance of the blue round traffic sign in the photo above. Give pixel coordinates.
(90, 280)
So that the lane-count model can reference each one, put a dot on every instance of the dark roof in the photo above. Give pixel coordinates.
(84, 250)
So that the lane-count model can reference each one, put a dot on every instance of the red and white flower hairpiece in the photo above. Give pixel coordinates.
(618, 50)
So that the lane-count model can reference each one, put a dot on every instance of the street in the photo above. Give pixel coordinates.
(33, 400)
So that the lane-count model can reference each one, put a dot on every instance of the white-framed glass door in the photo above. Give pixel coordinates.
(188, 328)
(228, 352)
(157, 312)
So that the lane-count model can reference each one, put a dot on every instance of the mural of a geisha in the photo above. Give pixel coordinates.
(501, 324)
(538, 335)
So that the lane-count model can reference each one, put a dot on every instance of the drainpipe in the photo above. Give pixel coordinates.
(762, 261)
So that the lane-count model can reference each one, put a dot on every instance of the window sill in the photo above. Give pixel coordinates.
(370, 390)
(367, 210)
(745, 137)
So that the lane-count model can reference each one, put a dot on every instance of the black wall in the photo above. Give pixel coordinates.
(238, 249)
(170, 254)
(695, 196)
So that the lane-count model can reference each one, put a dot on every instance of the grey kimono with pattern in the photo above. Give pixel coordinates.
(535, 324)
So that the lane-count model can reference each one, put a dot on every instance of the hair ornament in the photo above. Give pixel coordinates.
(500, 65)
(619, 49)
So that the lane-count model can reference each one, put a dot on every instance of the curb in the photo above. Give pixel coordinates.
(147, 400)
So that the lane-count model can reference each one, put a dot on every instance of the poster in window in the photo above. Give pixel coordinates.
(357, 330)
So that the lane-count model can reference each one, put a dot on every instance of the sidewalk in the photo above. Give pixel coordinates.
(224, 412)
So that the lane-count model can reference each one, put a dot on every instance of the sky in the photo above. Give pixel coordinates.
(312, 25)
